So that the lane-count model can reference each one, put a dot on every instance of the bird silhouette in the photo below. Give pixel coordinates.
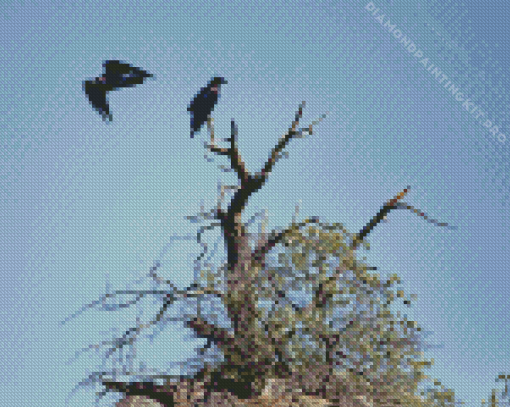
(116, 75)
(203, 103)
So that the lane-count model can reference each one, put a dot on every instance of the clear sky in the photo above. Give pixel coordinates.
(83, 203)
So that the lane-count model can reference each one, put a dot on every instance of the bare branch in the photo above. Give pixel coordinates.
(232, 152)
(157, 279)
(296, 211)
(132, 333)
(262, 230)
(259, 214)
(213, 147)
(249, 185)
(237, 162)
(247, 345)
(283, 142)
(388, 206)
(157, 263)
(276, 237)
(221, 199)
(220, 336)
(199, 238)
(293, 132)
(320, 293)
(419, 212)
(104, 306)
(90, 380)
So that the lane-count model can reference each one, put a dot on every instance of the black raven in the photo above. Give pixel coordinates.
(116, 75)
(203, 103)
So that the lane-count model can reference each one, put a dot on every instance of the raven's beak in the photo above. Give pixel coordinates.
(146, 74)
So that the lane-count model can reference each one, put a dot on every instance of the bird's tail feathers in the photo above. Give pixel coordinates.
(107, 116)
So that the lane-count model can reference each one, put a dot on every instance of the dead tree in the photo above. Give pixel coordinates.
(251, 353)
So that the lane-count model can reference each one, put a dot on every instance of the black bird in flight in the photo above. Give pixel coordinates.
(116, 75)
(203, 103)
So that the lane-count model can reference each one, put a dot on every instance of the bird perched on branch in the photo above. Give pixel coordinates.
(116, 75)
(203, 103)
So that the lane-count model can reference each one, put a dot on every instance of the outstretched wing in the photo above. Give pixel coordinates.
(116, 75)
(96, 94)
(123, 75)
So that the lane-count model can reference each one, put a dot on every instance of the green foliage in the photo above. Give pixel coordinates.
(354, 331)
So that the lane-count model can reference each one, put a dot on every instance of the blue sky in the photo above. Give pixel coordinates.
(83, 203)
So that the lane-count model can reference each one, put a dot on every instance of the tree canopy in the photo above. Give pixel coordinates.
(338, 342)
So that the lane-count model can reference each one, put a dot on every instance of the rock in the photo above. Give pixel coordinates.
(138, 401)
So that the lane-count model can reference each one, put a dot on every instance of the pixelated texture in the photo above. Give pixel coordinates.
(82, 202)
(116, 75)
(304, 344)
(203, 104)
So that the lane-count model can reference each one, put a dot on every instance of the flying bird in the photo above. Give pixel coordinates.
(203, 104)
(116, 75)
